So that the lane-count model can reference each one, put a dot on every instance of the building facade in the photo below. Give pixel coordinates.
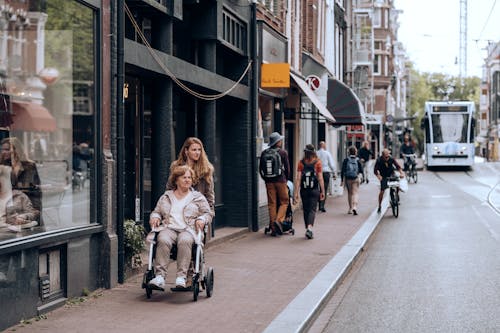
(489, 105)
(56, 104)
(98, 96)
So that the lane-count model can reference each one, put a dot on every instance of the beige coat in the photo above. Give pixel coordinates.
(196, 209)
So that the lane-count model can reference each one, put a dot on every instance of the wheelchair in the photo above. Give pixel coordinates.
(203, 276)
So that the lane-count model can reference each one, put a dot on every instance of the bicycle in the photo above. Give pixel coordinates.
(410, 168)
(393, 184)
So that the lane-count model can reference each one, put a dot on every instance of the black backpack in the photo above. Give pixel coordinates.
(309, 179)
(271, 165)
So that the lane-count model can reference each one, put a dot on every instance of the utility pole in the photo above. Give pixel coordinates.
(462, 55)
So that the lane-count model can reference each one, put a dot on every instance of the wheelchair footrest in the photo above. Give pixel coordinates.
(153, 287)
(190, 288)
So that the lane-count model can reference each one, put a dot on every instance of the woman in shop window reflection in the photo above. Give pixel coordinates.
(16, 210)
(24, 175)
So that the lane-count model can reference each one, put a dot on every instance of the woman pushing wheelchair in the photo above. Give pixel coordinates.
(178, 216)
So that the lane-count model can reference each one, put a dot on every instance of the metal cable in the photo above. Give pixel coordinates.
(172, 76)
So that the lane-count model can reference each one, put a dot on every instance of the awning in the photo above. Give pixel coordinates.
(31, 117)
(312, 96)
(343, 104)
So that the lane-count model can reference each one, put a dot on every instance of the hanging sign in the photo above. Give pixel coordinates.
(275, 75)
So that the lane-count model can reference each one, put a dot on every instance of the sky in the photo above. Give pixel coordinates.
(430, 33)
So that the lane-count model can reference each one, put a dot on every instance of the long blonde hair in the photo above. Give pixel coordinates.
(202, 168)
(17, 148)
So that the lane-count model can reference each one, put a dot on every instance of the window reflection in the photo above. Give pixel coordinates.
(47, 109)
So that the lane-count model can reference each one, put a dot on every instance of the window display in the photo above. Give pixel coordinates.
(47, 115)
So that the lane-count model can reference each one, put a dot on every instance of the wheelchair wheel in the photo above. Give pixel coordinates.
(196, 288)
(149, 292)
(148, 276)
(209, 284)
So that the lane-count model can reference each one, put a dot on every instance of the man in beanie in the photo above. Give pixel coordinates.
(275, 170)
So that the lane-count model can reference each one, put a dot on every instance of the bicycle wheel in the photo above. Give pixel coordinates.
(408, 176)
(394, 203)
(415, 176)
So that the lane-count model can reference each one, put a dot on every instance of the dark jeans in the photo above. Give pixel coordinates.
(326, 180)
(310, 199)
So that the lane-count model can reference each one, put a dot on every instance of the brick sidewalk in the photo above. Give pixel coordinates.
(256, 277)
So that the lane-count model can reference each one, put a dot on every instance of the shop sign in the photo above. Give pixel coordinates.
(314, 82)
(275, 75)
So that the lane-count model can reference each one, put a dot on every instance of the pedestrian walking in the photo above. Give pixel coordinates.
(350, 174)
(274, 168)
(328, 171)
(193, 154)
(312, 188)
(364, 155)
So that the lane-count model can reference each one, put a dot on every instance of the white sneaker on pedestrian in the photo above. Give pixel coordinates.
(180, 282)
(349, 211)
(158, 282)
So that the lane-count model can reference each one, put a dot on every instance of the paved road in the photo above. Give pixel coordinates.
(434, 269)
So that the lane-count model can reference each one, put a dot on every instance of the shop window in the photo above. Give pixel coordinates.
(47, 115)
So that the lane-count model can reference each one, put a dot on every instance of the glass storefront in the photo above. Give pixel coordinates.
(47, 116)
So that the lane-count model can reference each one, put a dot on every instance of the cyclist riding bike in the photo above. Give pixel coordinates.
(384, 168)
(408, 153)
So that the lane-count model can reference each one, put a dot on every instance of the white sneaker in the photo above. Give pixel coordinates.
(158, 282)
(180, 282)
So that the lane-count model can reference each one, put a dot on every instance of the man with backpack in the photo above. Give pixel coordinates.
(274, 168)
(351, 171)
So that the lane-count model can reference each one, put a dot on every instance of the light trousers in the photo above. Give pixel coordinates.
(352, 192)
(166, 239)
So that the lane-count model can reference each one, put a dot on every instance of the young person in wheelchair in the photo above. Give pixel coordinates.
(179, 214)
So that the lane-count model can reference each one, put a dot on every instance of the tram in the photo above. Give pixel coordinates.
(449, 133)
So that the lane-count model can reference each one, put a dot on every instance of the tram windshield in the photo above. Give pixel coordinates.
(449, 127)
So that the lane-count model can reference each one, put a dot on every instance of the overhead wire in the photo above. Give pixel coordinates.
(156, 57)
(487, 20)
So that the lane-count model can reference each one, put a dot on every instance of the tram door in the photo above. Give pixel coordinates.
(137, 120)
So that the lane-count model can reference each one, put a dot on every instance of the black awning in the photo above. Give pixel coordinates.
(343, 104)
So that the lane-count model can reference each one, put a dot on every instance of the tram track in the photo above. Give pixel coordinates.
(493, 190)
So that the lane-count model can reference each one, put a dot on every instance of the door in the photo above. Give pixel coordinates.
(137, 119)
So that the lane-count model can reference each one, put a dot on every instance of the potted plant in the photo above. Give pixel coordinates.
(134, 235)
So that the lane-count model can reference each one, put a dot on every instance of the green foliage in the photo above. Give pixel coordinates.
(70, 39)
(134, 242)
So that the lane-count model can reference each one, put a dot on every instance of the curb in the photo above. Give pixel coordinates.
(300, 314)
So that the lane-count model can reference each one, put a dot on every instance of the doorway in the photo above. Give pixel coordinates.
(137, 141)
